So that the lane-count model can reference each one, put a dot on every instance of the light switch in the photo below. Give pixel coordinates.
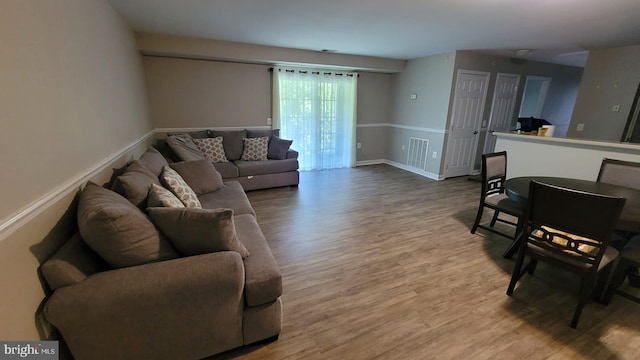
(413, 96)
(615, 108)
(580, 127)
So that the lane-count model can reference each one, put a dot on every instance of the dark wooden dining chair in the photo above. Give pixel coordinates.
(492, 196)
(621, 173)
(571, 230)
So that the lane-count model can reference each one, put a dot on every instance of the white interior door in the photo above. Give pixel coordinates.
(466, 116)
(504, 101)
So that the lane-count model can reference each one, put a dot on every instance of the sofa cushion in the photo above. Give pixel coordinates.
(161, 197)
(212, 148)
(153, 161)
(252, 168)
(198, 231)
(231, 141)
(278, 148)
(255, 149)
(232, 196)
(174, 182)
(72, 263)
(262, 133)
(134, 184)
(228, 170)
(263, 281)
(200, 175)
(118, 231)
(184, 147)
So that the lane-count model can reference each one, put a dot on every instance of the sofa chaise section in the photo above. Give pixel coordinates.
(176, 307)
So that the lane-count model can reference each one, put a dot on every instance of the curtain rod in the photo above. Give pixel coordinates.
(315, 72)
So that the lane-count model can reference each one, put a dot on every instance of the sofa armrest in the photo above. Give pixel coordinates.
(183, 308)
(292, 154)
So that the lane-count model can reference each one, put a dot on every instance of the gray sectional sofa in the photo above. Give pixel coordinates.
(142, 279)
(278, 168)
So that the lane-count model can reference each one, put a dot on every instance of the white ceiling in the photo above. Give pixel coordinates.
(559, 31)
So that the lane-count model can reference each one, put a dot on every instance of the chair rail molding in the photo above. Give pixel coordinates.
(12, 223)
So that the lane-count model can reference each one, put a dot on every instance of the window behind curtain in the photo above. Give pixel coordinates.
(317, 111)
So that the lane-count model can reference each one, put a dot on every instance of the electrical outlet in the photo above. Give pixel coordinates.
(359, 145)
(580, 127)
(402, 147)
(615, 108)
(413, 96)
(435, 154)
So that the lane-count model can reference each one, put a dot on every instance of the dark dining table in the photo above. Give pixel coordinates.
(517, 189)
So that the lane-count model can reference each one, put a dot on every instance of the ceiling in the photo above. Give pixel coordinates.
(558, 31)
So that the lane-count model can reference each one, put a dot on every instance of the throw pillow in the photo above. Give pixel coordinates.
(278, 148)
(117, 231)
(134, 184)
(184, 147)
(200, 175)
(161, 197)
(153, 161)
(174, 182)
(212, 148)
(255, 149)
(232, 142)
(199, 231)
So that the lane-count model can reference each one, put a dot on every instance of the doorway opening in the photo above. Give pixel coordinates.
(535, 93)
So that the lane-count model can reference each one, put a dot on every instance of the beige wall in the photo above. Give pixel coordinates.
(430, 79)
(196, 94)
(611, 77)
(185, 93)
(72, 99)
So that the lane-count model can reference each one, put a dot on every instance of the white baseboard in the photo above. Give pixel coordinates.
(370, 162)
(428, 174)
(14, 222)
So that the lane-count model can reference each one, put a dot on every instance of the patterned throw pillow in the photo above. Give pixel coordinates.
(161, 197)
(212, 148)
(180, 188)
(255, 149)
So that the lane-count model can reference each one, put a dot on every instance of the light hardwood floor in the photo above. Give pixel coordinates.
(378, 262)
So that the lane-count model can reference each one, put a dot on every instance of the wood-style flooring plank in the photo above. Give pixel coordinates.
(379, 263)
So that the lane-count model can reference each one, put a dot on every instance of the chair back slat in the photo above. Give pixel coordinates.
(494, 172)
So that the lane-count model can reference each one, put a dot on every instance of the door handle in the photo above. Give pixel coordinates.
(475, 132)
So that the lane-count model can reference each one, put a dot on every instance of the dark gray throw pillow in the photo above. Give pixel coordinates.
(201, 176)
(198, 231)
(231, 141)
(134, 184)
(153, 161)
(117, 231)
(184, 147)
(278, 148)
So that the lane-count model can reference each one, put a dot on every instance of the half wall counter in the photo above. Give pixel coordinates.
(547, 156)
